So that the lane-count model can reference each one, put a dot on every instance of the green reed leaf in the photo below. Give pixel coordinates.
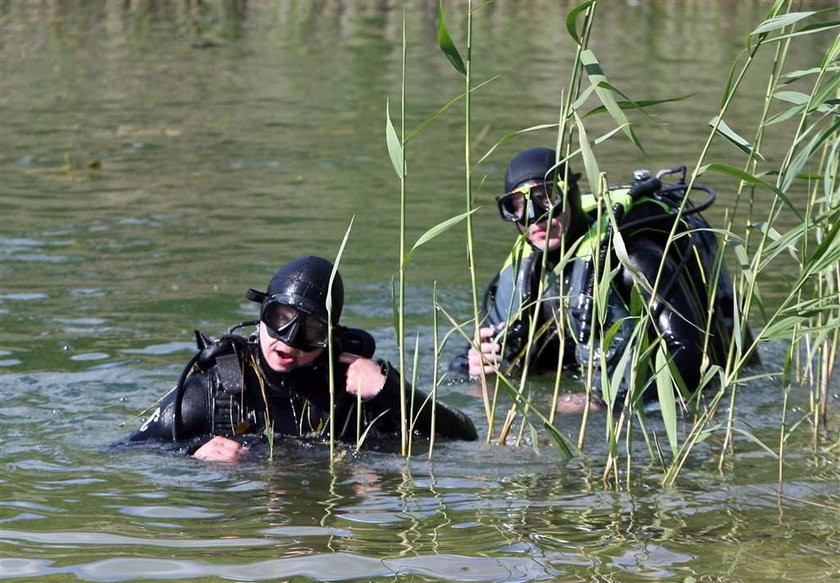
(785, 115)
(826, 92)
(337, 262)
(827, 253)
(641, 104)
(795, 97)
(582, 97)
(435, 231)
(706, 433)
(667, 401)
(596, 78)
(447, 45)
(830, 173)
(822, 100)
(510, 136)
(756, 441)
(732, 136)
(797, 75)
(434, 115)
(507, 137)
(395, 148)
(779, 242)
(743, 261)
(624, 361)
(590, 164)
(779, 22)
(749, 179)
(561, 442)
(360, 439)
(729, 86)
(804, 155)
(812, 28)
(571, 19)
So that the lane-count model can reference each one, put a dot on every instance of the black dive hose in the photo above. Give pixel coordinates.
(690, 210)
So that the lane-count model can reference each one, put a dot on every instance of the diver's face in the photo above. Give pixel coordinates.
(281, 357)
(547, 235)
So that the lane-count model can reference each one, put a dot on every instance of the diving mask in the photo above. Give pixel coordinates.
(528, 203)
(293, 326)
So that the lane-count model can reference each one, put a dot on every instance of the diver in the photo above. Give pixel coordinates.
(278, 379)
(542, 303)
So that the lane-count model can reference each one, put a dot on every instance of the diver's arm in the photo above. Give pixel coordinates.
(449, 422)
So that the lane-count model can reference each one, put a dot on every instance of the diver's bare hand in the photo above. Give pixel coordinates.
(220, 449)
(364, 376)
(490, 354)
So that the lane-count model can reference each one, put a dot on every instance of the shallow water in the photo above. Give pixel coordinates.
(157, 163)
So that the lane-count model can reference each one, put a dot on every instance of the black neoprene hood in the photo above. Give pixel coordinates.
(303, 283)
(531, 164)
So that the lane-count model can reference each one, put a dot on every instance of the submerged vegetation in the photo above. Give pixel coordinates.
(801, 104)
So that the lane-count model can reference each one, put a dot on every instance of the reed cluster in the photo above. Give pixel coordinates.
(807, 318)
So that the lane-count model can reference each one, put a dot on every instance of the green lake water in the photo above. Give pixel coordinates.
(158, 160)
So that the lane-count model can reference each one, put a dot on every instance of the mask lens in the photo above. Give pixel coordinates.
(293, 327)
(278, 316)
(315, 331)
(527, 204)
(540, 196)
(512, 206)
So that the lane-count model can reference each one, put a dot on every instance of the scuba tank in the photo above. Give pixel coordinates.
(644, 186)
(223, 355)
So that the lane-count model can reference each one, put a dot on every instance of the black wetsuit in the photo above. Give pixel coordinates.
(238, 393)
(681, 306)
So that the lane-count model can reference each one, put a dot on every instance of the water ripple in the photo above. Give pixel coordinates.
(321, 567)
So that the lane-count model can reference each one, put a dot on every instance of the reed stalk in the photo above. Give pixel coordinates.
(435, 368)
(330, 344)
(414, 371)
(564, 139)
(563, 150)
(648, 354)
(790, 167)
(469, 208)
(401, 326)
(747, 292)
(396, 150)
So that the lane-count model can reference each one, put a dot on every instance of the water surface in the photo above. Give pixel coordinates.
(157, 162)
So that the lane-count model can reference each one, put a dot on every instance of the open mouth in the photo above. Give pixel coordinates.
(285, 356)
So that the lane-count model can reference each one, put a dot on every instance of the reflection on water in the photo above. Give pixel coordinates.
(72, 505)
(161, 158)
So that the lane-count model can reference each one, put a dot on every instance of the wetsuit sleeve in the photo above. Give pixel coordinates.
(195, 417)
(449, 422)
